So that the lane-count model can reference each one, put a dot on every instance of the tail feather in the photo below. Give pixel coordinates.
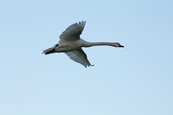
(49, 50)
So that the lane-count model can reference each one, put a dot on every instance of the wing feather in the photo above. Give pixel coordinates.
(79, 56)
(73, 32)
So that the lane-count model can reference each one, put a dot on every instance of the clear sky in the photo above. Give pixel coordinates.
(134, 80)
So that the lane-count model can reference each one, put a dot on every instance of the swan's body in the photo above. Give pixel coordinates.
(71, 43)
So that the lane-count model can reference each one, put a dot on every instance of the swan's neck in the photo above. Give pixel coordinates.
(90, 44)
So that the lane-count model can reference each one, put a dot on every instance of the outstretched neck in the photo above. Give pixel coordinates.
(90, 44)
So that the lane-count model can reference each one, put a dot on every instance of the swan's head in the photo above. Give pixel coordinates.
(116, 44)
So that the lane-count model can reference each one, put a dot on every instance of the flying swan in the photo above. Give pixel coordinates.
(71, 44)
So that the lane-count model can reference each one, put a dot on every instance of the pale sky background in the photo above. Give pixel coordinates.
(134, 80)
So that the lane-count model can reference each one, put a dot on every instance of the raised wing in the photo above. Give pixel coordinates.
(79, 56)
(73, 32)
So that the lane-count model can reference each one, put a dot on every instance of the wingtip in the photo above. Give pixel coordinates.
(89, 66)
(82, 23)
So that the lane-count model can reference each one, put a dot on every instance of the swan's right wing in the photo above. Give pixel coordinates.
(73, 32)
(79, 56)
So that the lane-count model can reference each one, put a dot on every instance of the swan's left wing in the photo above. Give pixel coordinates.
(79, 56)
(73, 32)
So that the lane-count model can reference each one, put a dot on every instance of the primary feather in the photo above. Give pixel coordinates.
(73, 32)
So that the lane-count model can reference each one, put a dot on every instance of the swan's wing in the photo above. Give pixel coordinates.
(79, 56)
(73, 32)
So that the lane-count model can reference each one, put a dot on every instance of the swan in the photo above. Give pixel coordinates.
(71, 44)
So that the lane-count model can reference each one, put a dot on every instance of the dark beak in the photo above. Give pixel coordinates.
(121, 46)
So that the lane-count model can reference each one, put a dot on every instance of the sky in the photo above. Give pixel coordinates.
(134, 80)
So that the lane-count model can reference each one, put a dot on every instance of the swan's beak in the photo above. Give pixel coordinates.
(121, 46)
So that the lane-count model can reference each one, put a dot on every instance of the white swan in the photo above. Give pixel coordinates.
(70, 43)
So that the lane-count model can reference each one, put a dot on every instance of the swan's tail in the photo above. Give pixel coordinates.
(49, 51)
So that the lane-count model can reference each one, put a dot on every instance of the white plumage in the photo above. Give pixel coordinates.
(71, 44)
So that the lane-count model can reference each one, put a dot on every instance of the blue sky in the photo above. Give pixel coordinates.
(134, 80)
